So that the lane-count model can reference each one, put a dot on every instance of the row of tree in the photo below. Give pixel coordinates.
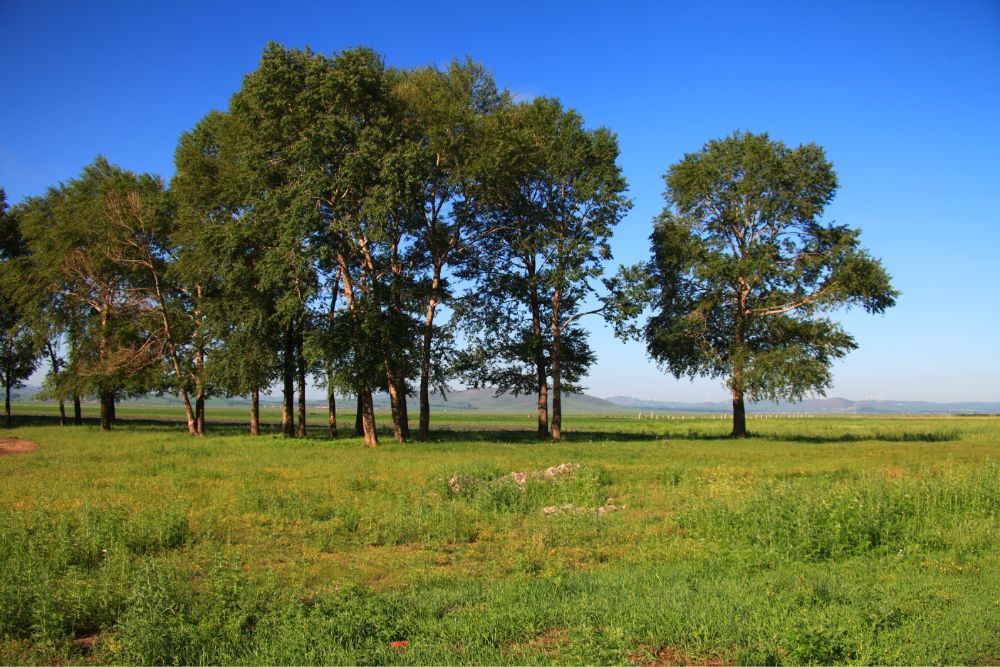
(315, 229)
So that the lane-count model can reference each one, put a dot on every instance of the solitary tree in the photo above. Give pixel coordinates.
(744, 272)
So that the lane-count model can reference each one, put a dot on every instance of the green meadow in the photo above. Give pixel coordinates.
(821, 540)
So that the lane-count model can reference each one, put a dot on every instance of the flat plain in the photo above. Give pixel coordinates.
(820, 540)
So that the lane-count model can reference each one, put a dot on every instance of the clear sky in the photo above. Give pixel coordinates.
(904, 96)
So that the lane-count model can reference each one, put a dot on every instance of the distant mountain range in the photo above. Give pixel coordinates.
(486, 400)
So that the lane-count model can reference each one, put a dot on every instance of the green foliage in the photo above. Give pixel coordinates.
(18, 344)
(555, 194)
(98, 241)
(743, 271)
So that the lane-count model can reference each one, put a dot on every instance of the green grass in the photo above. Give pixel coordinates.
(826, 540)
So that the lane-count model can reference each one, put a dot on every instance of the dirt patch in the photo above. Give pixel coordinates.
(671, 656)
(547, 644)
(16, 446)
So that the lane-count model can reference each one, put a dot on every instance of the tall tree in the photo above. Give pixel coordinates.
(76, 233)
(448, 115)
(276, 111)
(560, 193)
(744, 272)
(222, 248)
(28, 288)
(18, 346)
(357, 156)
(18, 357)
(207, 243)
(143, 225)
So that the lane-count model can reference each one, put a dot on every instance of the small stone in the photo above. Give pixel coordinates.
(561, 469)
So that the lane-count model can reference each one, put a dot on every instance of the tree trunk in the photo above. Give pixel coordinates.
(300, 362)
(77, 410)
(738, 358)
(543, 407)
(331, 401)
(113, 409)
(397, 404)
(7, 375)
(199, 381)
(425, 358)
(543, 393)
(368, 417)
(107, 410)
(739, 415)
(199, 413)
(404, 415)
(189, 412)
(182, 392)
(359, 426)
(255, 412)
(54, 360)
(288, 376)
(541, 375)
(394, 368)
(556, 380)
(331, 396)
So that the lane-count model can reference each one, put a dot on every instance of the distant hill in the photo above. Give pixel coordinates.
(485, 400)
(816, 406)
(468, 400)
(25, 393)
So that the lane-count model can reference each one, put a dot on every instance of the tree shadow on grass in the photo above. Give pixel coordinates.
(530, 437)
(320, 430)
(499, 434)
(810, 438)
(877, 436)
(148, 424)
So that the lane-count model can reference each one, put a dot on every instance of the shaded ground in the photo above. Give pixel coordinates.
(16, 446)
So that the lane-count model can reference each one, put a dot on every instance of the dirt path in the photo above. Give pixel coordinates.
(16, 446)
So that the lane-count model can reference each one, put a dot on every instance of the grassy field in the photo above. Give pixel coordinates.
(826, 540)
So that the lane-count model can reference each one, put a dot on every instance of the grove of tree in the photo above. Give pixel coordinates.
(381, 230)
(319, 227)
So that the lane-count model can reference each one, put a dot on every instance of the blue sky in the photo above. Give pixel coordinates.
(904, 96)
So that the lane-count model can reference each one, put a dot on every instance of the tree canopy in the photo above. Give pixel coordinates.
(744, 274)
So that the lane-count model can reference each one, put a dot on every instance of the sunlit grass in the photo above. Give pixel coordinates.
(864, 540)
